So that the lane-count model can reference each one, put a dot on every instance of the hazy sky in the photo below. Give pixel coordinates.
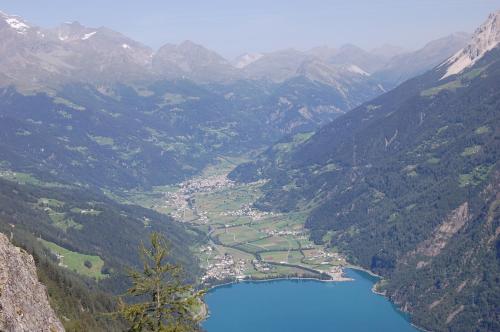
(232, 27)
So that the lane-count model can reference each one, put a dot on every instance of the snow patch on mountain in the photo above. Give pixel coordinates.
(16, 24)
(88, 35)
(486, 38)
(355, 69)
(126, 46)
(244, 60)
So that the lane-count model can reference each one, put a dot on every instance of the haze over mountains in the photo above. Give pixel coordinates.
(35, 57)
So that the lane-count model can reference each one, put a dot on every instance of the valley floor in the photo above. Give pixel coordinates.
(241, 241)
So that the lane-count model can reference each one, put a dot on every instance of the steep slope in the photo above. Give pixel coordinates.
(486, 38)
(405, 66)
(407, 186)
(317, 95)
(120, 137)
(101, 55)
(87, 223)
(27, 57)
(31, 312)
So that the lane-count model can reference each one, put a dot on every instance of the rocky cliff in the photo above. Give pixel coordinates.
(24, 305)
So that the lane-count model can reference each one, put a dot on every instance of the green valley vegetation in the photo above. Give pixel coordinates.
(241, 242)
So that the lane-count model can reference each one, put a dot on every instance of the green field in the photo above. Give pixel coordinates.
(276, 243)
(60, 220)
(77, 262)
(235, 235)
(233, 227)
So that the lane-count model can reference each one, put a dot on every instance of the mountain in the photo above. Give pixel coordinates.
(26, 55)
(35, 58)
(322, 53)
(310, 90)
(407, 65)
(388, 51)
(93, 106)
(315, 95)
(18, 276)
(352, 55)
(276, 66)
(102, 55)
(245, 59)
(191, 61)
(407, 185)
(486, 38)
(349, 84)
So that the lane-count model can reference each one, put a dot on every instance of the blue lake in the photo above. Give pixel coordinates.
(303, 305)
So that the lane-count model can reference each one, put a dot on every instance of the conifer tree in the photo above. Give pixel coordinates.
(165, 301)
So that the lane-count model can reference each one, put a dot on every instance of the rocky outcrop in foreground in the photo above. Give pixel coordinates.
(24, 305)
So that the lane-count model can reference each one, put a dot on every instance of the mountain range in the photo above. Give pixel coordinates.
(392, 154)
(407, 186)
(35, 58)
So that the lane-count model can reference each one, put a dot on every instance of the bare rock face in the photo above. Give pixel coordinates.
(451, 225)
(485, 38)
(24, 305)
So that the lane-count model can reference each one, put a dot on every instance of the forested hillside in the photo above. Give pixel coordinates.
(407, 186)
(84, 244)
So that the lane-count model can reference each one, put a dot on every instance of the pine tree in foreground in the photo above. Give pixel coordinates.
(168, 302)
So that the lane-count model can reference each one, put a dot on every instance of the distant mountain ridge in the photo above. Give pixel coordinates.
(407, 65)
(35, 58)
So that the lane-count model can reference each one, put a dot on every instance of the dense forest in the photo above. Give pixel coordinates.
(406, 185)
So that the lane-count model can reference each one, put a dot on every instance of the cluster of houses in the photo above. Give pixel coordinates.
(181, 198)
(209, 184)
(92, 212)
(223, 267)
(7, 174)
(261, 266)
(325, 257)
(276, 232)
(179, 201)
(247, 211)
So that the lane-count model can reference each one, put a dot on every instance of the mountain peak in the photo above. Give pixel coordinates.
(190, 45)
(485, 38)
(15, 22)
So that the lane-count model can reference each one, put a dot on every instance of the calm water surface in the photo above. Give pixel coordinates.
(293, 306)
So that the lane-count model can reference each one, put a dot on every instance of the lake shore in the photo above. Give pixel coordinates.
(339, 296)
(205, 314)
